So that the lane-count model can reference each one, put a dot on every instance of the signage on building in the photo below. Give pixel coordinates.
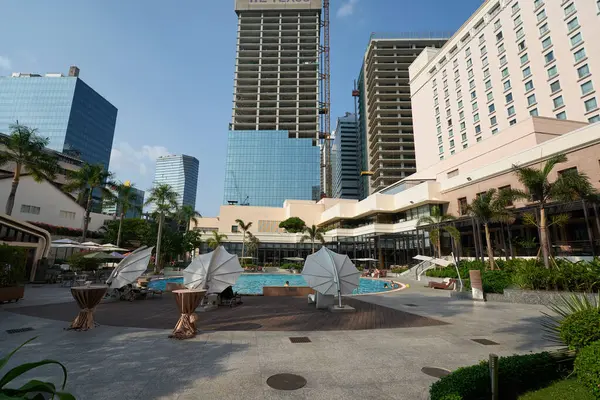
(247, 5)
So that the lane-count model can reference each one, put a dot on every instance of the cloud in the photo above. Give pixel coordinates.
(130, 163)
(347, 9)
(5, 63)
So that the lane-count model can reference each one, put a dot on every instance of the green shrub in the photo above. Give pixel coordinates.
(79, 262)
(290, 266)
(495, 281)
(587, 367)
(581, 328)
(517, 374)
(399, 270)
(12, 265)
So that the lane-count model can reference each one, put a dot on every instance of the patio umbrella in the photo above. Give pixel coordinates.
(130, 268)
(330, 273)
(64, 241)
(294, 259)
(112, 247)
(104, 256)
(214, 271)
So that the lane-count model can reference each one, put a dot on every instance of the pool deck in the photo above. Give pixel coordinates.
(137, 363)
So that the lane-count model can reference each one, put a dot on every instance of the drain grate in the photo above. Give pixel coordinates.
(20, 330)
(301, 339)
(435, 372)
(410, 305)
(485, 342)
(286, 382)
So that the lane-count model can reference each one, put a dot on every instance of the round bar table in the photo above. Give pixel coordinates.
(187, 302)
(87, 298)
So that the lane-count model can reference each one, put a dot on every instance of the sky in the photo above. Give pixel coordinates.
(168, 67)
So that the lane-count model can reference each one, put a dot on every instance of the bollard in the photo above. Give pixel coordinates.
(494, 376)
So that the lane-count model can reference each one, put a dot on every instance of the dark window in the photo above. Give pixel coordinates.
(462, 206)
(572, 169)
(506, 188)
(234, 229)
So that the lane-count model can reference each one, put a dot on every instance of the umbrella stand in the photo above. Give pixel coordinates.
(337, 281)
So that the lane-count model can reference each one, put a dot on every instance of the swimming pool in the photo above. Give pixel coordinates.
(253, 283)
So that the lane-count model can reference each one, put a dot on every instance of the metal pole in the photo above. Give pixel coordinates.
(493, 363)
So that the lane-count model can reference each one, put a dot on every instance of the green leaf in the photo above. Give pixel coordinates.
(23, 368)
(36, 386)
(4, 360)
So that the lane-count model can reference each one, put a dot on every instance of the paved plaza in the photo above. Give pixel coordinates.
(123, 362)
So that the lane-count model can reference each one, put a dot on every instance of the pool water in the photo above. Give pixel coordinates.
(253, 283)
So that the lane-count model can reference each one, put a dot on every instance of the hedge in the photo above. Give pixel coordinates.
(517, 374)
(580, 328)
(587, 367)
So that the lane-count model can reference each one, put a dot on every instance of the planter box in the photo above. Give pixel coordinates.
(285, 291)
(11, 293)
(532, 296)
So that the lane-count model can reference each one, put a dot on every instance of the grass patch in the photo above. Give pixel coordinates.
(568, 389)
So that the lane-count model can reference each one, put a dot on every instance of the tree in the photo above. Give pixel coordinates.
(313, 234)
(293, 225)
(569, 186)
(244, 228)
(490, 207)
(164, 199)
(27, 152)
(85, 181)
(125, 198)
(186, 214)
(135, 232)
(216, 240)
(253, 244)
(191, 241)
(434, 222)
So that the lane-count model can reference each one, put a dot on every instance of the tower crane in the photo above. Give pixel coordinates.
(325, 102)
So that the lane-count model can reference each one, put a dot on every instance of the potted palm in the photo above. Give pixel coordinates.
(12, 273)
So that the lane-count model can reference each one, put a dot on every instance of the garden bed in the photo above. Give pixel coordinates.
(543, 297)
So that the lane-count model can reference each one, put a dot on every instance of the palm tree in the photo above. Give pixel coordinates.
(244, 228)
(253, 244)
(434, 223)
(125, 198)
(164, 199)
(490, 207)
(186, 214)
(569, 186)
(313, 234)
(26, 151)
(216, 240)
(85, 181)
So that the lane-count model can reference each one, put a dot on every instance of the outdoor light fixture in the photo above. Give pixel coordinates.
(469, 178)
(412, 202)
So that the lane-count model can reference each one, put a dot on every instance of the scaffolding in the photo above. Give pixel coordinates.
(325, 104)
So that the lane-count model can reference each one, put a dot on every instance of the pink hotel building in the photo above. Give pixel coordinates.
(515, 85)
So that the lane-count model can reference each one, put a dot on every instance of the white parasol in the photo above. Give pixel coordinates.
(214, 271)
(330, 273)
(130, 268)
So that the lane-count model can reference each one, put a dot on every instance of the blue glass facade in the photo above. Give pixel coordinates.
(181, 173)
(265, 168)
(63, 108)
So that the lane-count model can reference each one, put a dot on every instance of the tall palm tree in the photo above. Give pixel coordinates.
(125, 198)
(490, 207)
(216, 240)
(90, 178)
(186, 214)
(244, 227)
(26, 151)
(313, 234)
(253, 244)
(164, 199)
(569, 186)
(434, 225)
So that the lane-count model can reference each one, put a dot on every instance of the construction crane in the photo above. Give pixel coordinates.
(325, 102)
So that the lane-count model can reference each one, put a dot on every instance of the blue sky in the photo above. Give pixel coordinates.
(168, 66)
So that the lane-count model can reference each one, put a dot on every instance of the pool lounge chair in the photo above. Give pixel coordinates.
(446, 284)
(229, 298)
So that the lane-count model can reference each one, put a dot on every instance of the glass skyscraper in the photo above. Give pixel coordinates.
(181, 173)
(264, 168)
(346, 158)
(77, 120)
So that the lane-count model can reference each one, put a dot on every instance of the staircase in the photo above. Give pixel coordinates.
(419, 269)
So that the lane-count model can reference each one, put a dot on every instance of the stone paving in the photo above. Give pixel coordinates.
(134, 363)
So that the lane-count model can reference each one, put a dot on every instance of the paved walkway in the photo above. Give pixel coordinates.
(133, 363)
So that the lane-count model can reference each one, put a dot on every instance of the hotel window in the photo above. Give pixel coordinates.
(437, 120)
(447, 102)
(460, 104)
(541, 15)
(441, 149)
(485, 62)
(503, 61)
(493, 120)
(507, 85)
(527, 72)
(458, 85)
(475, 106)
(439, 130)
(548, 57)
(518, 21)
(531, 100)
(491, 108)
(583, 71)
(478, 139)
(537, 3)
(451, 143)
(67, 214)
(461, 115)
(458, 94)
(456, 74)
(598, 5)
(473, 95)
(508, 98)
(463, 126)
(483, 51)
(439, 140)
(481, 39)
(552, 71)
(558, 102)
(504, 72)
(448, 113)
(477, 129)
(494, 131)
(522, 45)
(488, 84)
(476, 117)
(435, 101)
(444, 74)
(467, 52)
(445, 84)
(450, 133)
(470, 73)
(469, 63)
(534, 112)
(497, 24)
(591, 104)
(446, 93)
(463, 206)
(455, 63)
(450, 122)
(573, 24)
(465, 145)
(512, 122)
(486, 73)
(437, 111)
(575, 40)
(463, 137)
(561, 115)
(579, 55)
(515, 7)
(441, 158)
(490, 96)
(547, 42)
(471, 84)
(528, 85)
(434, 83)
(26, 209)
(520, 33)
(595, 118)
(234, 229)
(524, 58)
(570, 9)
(501, 49)
(511, 111)
(499, 36)
(435, 92)
(587, 87)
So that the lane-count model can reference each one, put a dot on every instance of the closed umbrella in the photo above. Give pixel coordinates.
(112, 247)
(214, 271)
(330, 273)
(130, 268)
